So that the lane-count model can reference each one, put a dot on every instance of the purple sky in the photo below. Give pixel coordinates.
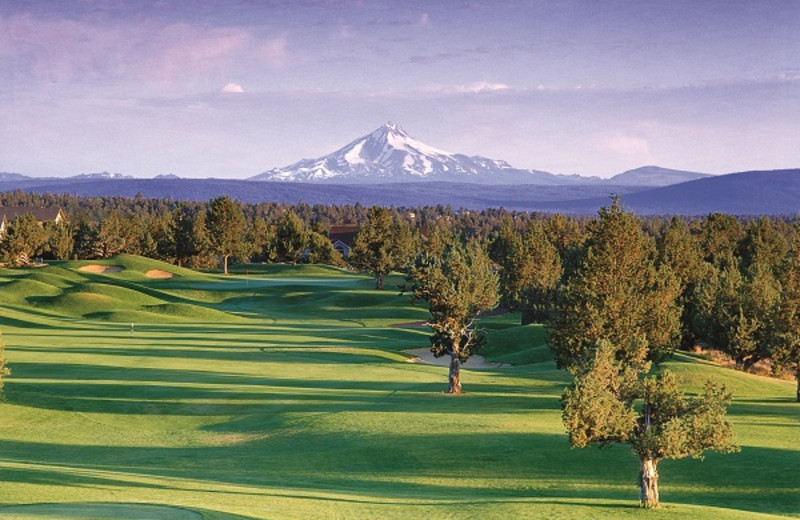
(231, 88)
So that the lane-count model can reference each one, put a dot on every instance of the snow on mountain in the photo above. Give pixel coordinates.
(100, 175)
(390, 154)
(6, 176)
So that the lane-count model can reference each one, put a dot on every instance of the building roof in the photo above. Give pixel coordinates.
(40, 214)
(344, 234)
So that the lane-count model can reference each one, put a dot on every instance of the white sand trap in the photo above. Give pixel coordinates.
(100, 269)
(158, 274)
(424, 355)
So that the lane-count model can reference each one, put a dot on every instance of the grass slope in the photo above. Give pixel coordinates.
(284, 393)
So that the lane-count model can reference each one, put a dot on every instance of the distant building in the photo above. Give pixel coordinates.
(342, 237)
(42, 215)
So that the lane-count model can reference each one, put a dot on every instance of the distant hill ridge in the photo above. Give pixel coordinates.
(421, 174)
(747, 193)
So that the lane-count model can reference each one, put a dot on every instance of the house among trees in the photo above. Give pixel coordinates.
(342, 237)
(42, 215)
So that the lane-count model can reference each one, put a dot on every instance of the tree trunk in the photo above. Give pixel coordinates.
(648, 478)
(379, 281)
(224, 264)
(455, 374)
(797, 378)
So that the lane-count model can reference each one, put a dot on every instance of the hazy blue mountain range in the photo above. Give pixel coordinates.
(654, 176)
(389, 167)
(748, 193)
(5, 176)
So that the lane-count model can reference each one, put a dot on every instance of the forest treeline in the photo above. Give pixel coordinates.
(735, 280)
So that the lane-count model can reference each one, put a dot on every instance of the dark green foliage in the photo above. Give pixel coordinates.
(291, 238)
(719, 236)
(180, 243)
(226, 226)
(785, 342)
(321, 251)
(617, 294)
(609, 402)
(60, 241)
(680, 253)
(618, 313)
(85, 240)
(530, 268)
(458, 285)
(112, 236)
(24, 239)
(383, 244)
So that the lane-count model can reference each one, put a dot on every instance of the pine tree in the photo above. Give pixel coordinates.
(785, 343)
(226, 225)
(60, 241)
(616, 294)
(679, 251)
(291, 238)
(25, 238)
(382, 245)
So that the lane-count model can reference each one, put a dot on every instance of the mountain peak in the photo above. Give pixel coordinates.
(390, 154)
(655, 176)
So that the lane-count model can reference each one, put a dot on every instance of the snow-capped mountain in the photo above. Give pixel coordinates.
(390, 154)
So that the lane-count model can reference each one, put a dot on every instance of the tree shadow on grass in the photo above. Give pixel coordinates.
(417, 469)
(144, 392)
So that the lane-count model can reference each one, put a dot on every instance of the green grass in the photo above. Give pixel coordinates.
(285, 393)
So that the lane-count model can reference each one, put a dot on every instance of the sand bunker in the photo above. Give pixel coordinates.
(158, 273)
(100, 269)
(424, 355)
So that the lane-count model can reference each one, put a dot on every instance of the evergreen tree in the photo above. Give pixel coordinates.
(618, 315)
(25, 238)
(112, 237)
(291, 238)
(382, 245)
(785, 343)
(60, 241)
(617, 294)
(762, 246)
(680, 252)
(226, 226)
(610, 403)
(86, 241)
(458, 285)
(719, 236)
(262, 240)
(202, 252)
(321, 251)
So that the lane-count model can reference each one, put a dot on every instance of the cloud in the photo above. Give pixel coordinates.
(478, 87)
(61, 50)
(232, 88)
(424, 20)
(625, 146)
(273, 51)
